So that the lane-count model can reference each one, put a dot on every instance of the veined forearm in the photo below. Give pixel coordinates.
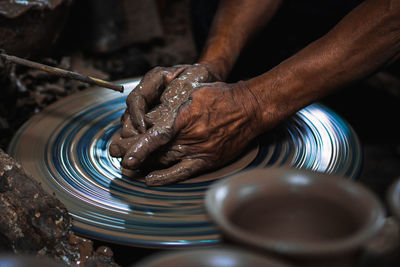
(234, 23)
(365, 40)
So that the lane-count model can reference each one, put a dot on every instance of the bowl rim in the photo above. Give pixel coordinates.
(222, 250)
(393, 198)
(296, 249)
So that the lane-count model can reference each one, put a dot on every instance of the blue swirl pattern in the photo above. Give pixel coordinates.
(65, 148)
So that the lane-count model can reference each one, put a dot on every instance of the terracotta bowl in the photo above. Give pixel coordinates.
(393, 199)
(212, 257)
(295, 213)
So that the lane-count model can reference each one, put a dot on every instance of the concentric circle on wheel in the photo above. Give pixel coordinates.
(65, 147)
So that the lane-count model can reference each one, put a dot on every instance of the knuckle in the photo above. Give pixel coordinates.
(203, 74)
(186, 172)
(156, 69)
(132, 97)
(219, 84)
(209, 147)
(160, 136)
(203, 163)
(201, 92)
(200, 131)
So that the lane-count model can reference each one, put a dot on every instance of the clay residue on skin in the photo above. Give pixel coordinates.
(179, 82)
(176, 118)
(15, 8)
(160, 119)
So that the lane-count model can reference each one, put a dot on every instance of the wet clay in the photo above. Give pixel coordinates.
(301, 218)
(179, 83)
(150, 115)
(234, 167)
(193, 126)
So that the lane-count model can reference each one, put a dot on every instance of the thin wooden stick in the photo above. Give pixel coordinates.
(63, 73)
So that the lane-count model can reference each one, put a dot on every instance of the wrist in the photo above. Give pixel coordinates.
(251, 106)
(220, 54)
(278, 95)
(217, 67)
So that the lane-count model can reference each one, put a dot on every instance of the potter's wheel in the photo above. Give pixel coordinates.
(65, 147)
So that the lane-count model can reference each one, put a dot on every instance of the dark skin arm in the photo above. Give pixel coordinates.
(235, 23)
(365, 40)
(215, 123)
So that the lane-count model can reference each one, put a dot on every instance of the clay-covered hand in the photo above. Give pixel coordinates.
(167, 87)
(197, 129)
(148, 92)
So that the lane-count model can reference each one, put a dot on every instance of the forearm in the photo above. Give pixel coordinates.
(365, 40)
(235, 22)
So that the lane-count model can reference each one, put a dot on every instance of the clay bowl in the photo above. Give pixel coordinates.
(293, 213)
(212, 257)
(393, 199)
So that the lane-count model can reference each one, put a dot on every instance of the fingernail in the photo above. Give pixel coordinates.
(130, 163)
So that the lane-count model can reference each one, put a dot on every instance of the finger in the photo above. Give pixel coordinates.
(183, 117)
(174, 72)
(137, 108)
(119, 146)
(148, 93)
(179, 172)
(143, 95)
(114, 147)
(147, 143)
(123, 117)
(172, 155)
(155, 115)
(127, 129)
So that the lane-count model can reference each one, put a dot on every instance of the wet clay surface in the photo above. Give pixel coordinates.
(150, 115)
(296, 218)
(233, 167)
(176, 118)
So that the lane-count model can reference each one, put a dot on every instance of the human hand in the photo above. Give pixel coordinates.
(156, 83)
(170, 86)
(203, 130)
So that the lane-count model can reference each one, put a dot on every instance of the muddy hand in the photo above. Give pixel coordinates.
(209, 130)
(158, 122)
(147, 94)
